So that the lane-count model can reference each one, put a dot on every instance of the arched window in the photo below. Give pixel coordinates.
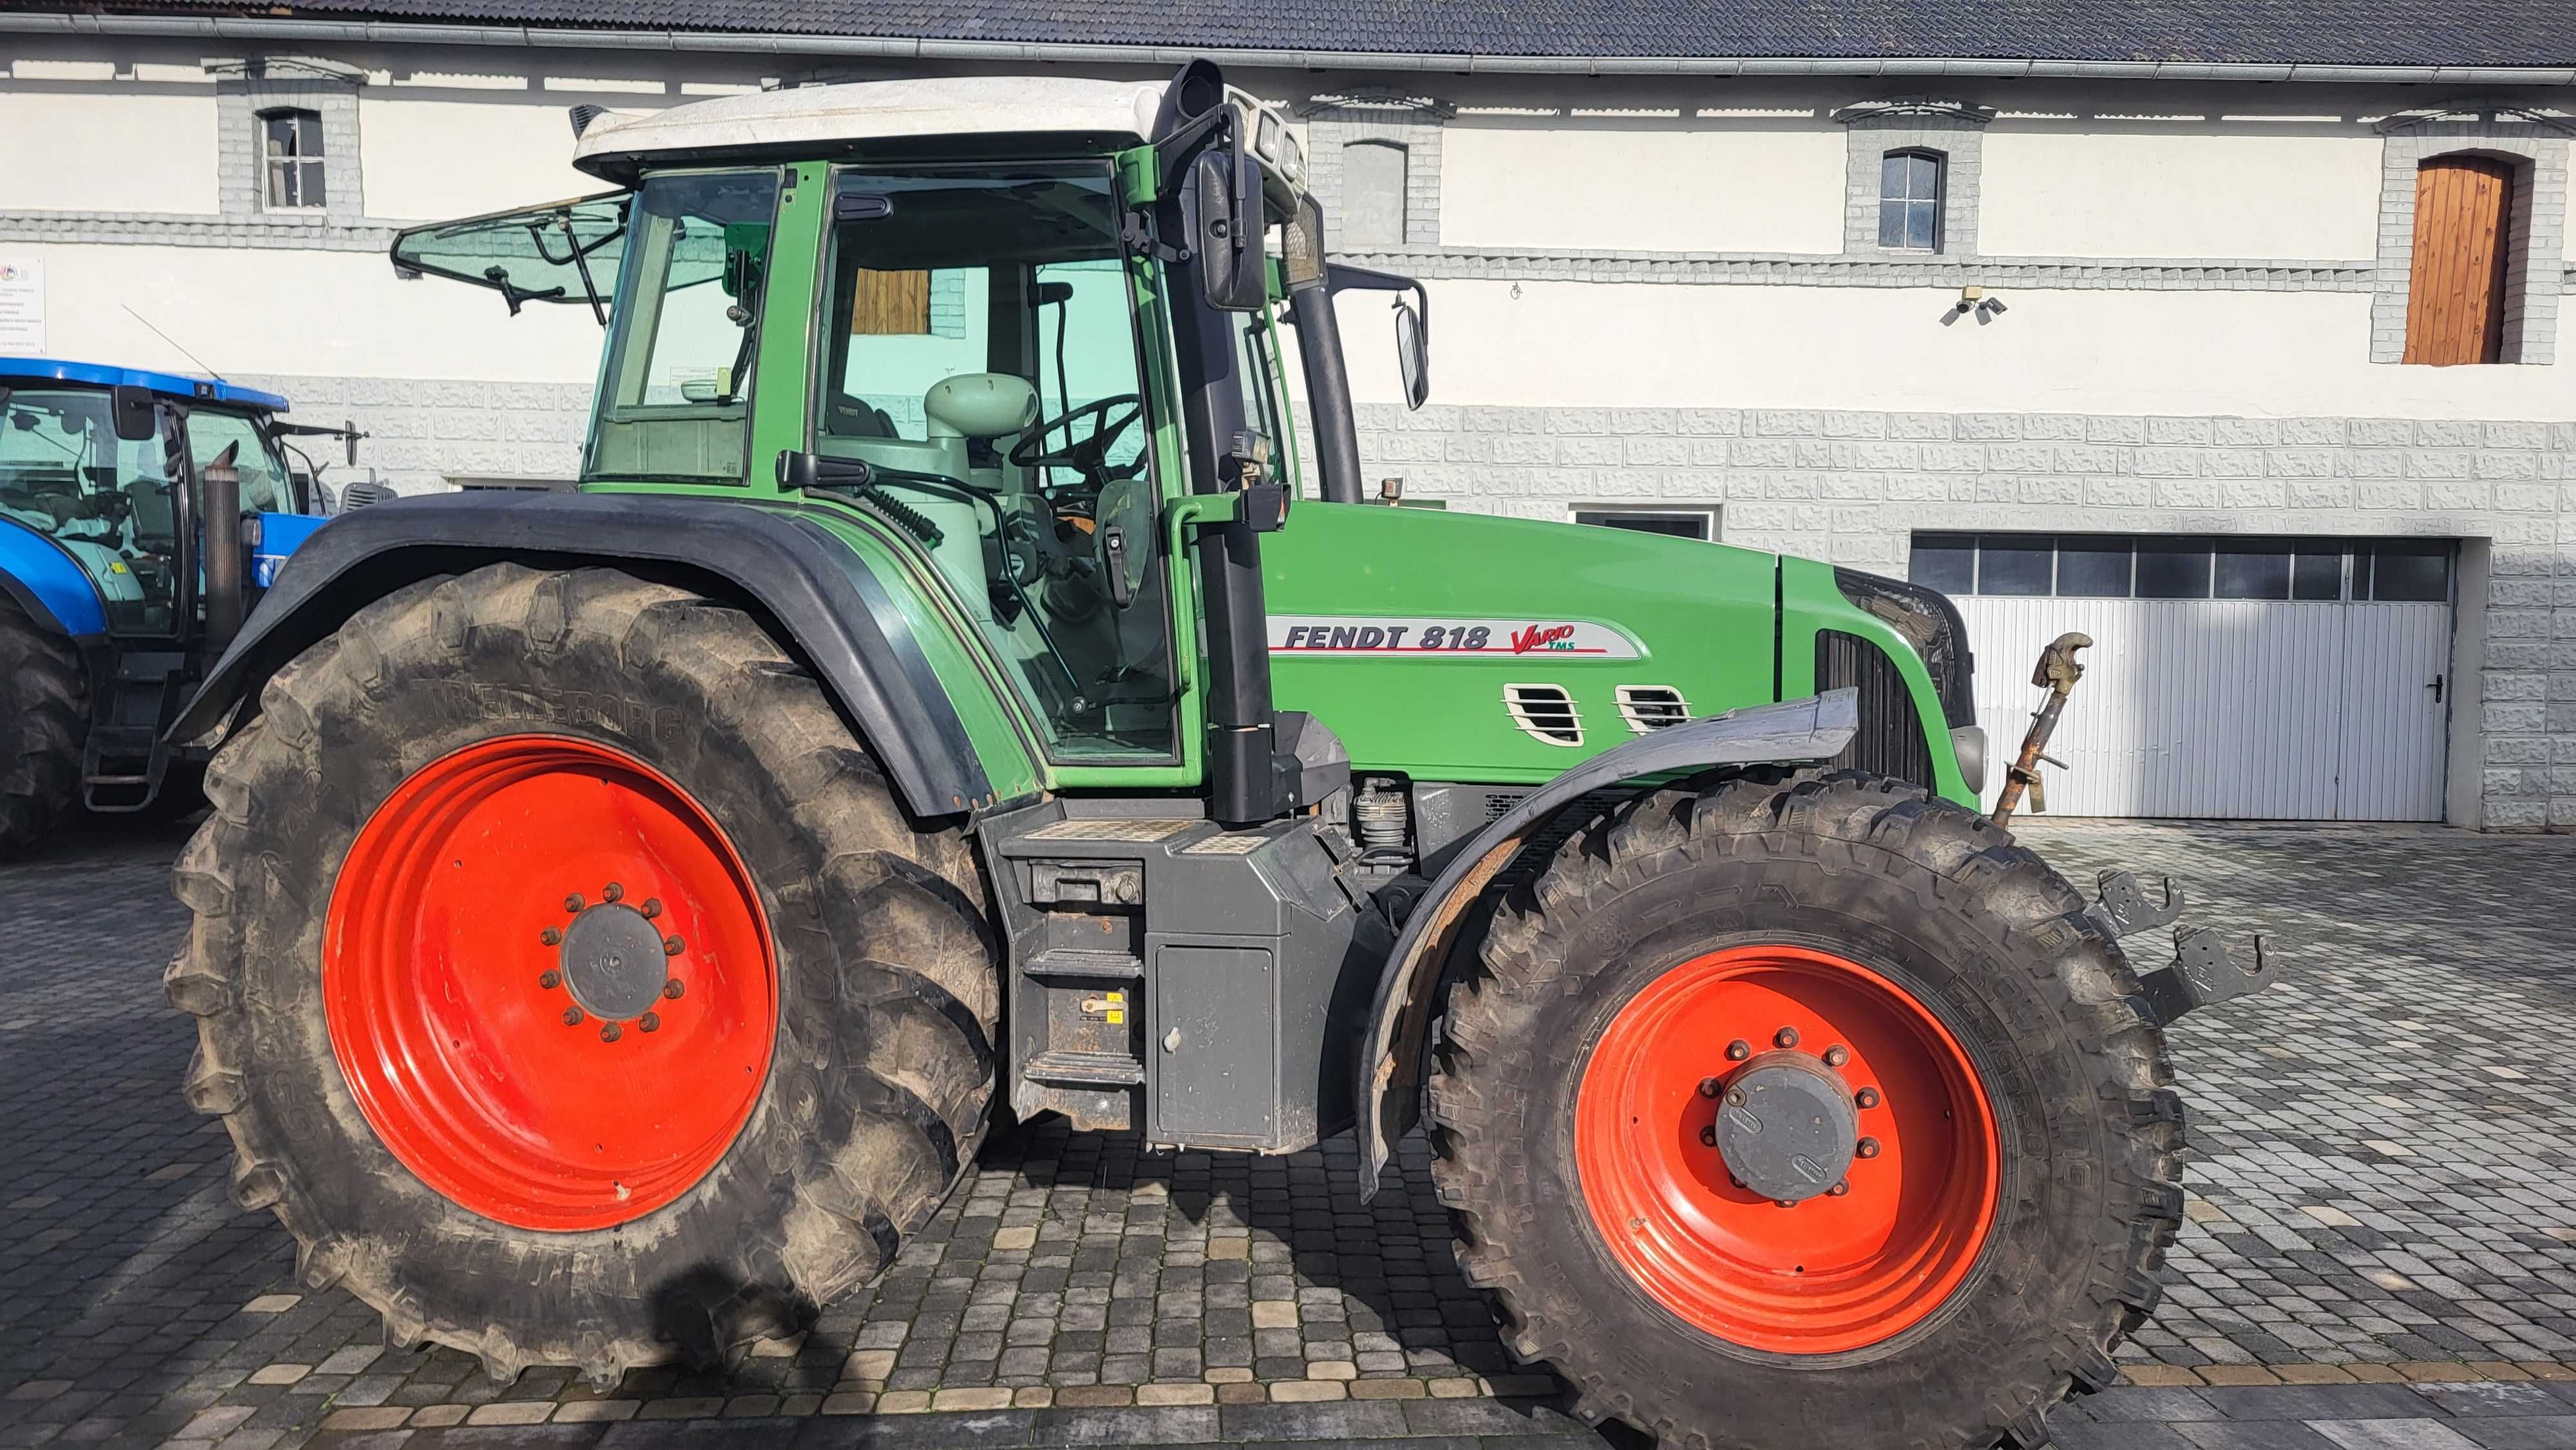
(1909, 200)
(1373, 192)
(291, 154)
(2458, 285)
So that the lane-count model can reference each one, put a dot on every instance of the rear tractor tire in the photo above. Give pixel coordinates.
(1796, 1111)
(569, 979)
(44, 714)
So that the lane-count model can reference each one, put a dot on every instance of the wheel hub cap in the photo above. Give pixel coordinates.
(614, 962)
(1788, 1127)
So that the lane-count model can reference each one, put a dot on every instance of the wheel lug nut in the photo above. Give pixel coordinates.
(673, 988)
(652, 907)
(1837, 1055)
(1782, 1203)
(610, 1032)
(549, 979)
(1838, 1190)
(672, 946)
(1785, 1037)
(1866, 1148)
(1708, 1137)
(1866, 1097)
(550, 936)
(649, 1023)
(612, 892)
(572, 1016)
(1737, 1050)
(1708, 1087)
(572, 903)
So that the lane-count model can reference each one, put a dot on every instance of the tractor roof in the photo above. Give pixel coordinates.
(1091, 113)
(21, 370)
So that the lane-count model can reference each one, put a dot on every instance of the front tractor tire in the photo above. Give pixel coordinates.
(569, 979)
(43, 716)
(1795, 1111)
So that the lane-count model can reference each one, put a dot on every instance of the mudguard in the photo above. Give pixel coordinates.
(44, 580)
(1390, 1070)
(823, 597)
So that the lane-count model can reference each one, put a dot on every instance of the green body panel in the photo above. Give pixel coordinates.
(1809, 602)
(1699, 615)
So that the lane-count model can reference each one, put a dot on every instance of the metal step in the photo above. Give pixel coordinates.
(1094, 1069)
(1066, 962)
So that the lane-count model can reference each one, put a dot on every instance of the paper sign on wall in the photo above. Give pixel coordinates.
(22, 306)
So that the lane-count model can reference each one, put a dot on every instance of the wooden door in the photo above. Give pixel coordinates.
(2455, 292)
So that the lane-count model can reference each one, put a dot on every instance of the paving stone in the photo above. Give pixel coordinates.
(2392, 1435)
(2354, 1213)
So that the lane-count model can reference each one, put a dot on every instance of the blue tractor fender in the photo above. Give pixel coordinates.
(279, 536)
(46, 582)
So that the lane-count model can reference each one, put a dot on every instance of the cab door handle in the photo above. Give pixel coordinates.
(2436, 688)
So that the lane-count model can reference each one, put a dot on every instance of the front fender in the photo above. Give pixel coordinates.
(832, 609)
(1390, 1070)
(44, 579)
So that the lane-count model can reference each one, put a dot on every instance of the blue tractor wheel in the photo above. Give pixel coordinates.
(42, 715)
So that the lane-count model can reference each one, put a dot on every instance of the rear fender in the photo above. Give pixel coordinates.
(1793, 732)
(814, 591)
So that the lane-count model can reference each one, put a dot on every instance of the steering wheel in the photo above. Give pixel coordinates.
(1088, 456)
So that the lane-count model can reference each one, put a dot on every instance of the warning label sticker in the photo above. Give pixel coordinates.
(1339, 634)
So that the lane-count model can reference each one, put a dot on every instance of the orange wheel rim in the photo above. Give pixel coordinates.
(549, 983)
(1837, 1271)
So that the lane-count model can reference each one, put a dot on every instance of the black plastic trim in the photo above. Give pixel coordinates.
(833, 609)
(1395, 1035)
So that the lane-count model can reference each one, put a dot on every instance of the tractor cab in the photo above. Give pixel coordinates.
(1011, 322)
(141, 514)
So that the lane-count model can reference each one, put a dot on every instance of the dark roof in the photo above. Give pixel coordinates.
(2490, 33)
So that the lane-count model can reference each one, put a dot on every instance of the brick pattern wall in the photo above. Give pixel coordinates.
(1852, 487)
(428, 433)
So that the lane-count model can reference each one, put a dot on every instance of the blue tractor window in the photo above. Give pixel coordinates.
(105, 500)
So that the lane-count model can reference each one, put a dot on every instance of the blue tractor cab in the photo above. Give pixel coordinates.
(141, 515)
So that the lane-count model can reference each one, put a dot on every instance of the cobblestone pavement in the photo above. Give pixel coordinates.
(2382, 1191)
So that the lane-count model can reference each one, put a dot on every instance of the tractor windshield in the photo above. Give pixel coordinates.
(104, 499)
(982, 358)
(675, 394)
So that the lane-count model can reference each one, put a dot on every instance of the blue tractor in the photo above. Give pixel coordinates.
(141, 515)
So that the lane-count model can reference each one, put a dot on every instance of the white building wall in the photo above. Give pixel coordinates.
(77, 146)
(1665, 189)
(1678, 304)
(462, 153)
(2180, 192)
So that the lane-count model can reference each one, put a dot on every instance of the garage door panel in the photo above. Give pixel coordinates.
(2393, 720)
(2242, 709)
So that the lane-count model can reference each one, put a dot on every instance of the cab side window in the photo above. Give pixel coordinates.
(265, 488)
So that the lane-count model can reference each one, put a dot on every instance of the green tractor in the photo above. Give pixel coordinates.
(625, 912)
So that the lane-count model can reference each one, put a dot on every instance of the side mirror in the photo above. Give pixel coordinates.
(135, 420)
(1227, 232)
(1413, 354)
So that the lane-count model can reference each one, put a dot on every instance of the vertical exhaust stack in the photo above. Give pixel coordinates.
(219, 489)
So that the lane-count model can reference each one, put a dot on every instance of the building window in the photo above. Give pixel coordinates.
(1909, 201)
(2172, 566)
(2456, 286)
(1373, 194)
(1700, 524)
(291, 151)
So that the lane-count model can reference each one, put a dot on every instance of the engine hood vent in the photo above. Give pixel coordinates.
(1648, 708)
(1545, 713)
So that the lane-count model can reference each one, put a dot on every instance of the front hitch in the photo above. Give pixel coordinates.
(2203, 970)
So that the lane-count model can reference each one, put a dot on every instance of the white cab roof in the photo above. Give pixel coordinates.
(869, 110)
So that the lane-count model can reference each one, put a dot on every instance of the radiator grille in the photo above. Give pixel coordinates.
(1890, 740)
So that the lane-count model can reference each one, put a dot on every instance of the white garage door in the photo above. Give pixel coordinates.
(2230, 708)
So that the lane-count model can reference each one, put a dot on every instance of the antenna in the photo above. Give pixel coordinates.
(174, 342)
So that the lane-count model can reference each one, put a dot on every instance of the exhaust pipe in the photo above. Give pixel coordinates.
(219, 493)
